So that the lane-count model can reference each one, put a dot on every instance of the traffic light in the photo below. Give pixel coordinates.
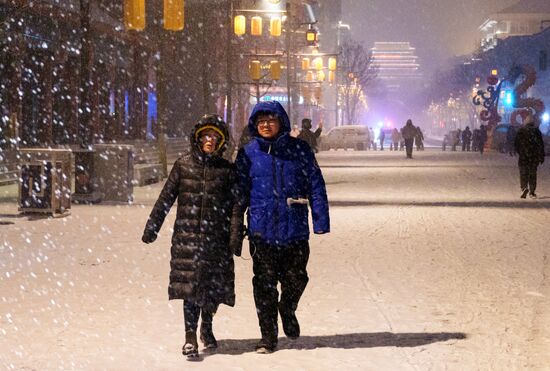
(311, 37)
(174, 15)
(134, 14)
(509, 98)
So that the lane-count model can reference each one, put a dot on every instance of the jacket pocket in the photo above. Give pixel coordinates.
(258, 218)
(298, 225)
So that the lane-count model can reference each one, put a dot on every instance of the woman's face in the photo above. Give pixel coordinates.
(209, 140)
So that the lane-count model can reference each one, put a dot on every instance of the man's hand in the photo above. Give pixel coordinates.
(321, 125)
(149, 236)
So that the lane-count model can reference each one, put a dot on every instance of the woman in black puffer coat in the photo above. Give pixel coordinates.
(202, 268)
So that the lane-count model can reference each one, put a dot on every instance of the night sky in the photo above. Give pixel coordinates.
(438, 29)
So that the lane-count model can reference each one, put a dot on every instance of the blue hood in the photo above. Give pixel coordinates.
(269, 108)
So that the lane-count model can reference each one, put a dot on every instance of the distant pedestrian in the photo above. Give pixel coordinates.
(408, 132)
(466, 139)
(295, 131)
(395, 138)
(372, 137)
(530, 147)
(381, 139)
(454, 134)
(202, 268)
(482, 138)
(419, 139)
(476, 138)
(309, 136)
(511, 140)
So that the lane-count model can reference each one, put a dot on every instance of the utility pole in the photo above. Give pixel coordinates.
(229, 67)
(85, 106)
(288, 60)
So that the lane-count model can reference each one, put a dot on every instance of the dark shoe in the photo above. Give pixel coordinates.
(207, 336)
(191, 347)
(291, 327)
(266, 346)
(532, 195)
(524, 193)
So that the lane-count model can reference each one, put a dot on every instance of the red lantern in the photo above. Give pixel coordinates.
(492, 80)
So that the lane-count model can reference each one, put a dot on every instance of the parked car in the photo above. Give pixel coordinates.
(347, 136)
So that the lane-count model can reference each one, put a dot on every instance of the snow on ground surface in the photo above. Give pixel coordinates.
(433, 263)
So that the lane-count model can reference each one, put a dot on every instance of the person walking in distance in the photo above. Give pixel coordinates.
(482, 138)
(309, 136)
(419, 139)
(381, 138)
(466, 139)
(202, 268)
(530, 148)
(278, 178)
(372, 137)
(395, 139)
(408, 132)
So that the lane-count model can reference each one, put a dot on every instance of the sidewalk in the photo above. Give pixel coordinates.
(431, 263)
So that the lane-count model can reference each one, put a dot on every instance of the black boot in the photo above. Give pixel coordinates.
(207, 336)
(266, 345)
(291, 327)
(191, 347)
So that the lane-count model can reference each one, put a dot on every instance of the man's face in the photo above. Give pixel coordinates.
(268, 126)
(209, 140)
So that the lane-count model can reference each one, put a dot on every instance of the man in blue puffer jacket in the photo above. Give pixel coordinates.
(278, 177)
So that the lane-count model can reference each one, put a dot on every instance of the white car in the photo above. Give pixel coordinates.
(347, 136)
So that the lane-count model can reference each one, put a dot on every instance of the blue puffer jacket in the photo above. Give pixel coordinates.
(271, 172)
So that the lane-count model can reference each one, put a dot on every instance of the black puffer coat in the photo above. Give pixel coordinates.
(529, 145)
(202, 268)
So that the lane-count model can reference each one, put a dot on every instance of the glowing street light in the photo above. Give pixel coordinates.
(240, 25)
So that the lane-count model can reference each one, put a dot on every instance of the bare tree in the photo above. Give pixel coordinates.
(358, 75)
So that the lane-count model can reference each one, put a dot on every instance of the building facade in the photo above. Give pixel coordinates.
(42, 65)
(526, 17)
(396, 64)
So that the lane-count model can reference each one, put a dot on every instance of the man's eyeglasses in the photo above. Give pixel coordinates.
(270, 123)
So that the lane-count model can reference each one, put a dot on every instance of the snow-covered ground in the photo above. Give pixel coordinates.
(433, 263)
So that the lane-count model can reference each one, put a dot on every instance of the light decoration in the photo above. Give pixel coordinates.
(239, 26)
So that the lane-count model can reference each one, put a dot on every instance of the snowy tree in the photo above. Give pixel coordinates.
(358, 75)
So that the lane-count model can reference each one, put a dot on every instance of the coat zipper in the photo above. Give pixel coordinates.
(202, 205)
(275, 189)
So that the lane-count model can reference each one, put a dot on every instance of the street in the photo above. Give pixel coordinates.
(433, 263)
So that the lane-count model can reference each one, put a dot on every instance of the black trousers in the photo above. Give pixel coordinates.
(271, 265)
(191, 314)
(528, 176)
(409, 147)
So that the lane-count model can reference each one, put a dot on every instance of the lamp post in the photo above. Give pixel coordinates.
(256, 31)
